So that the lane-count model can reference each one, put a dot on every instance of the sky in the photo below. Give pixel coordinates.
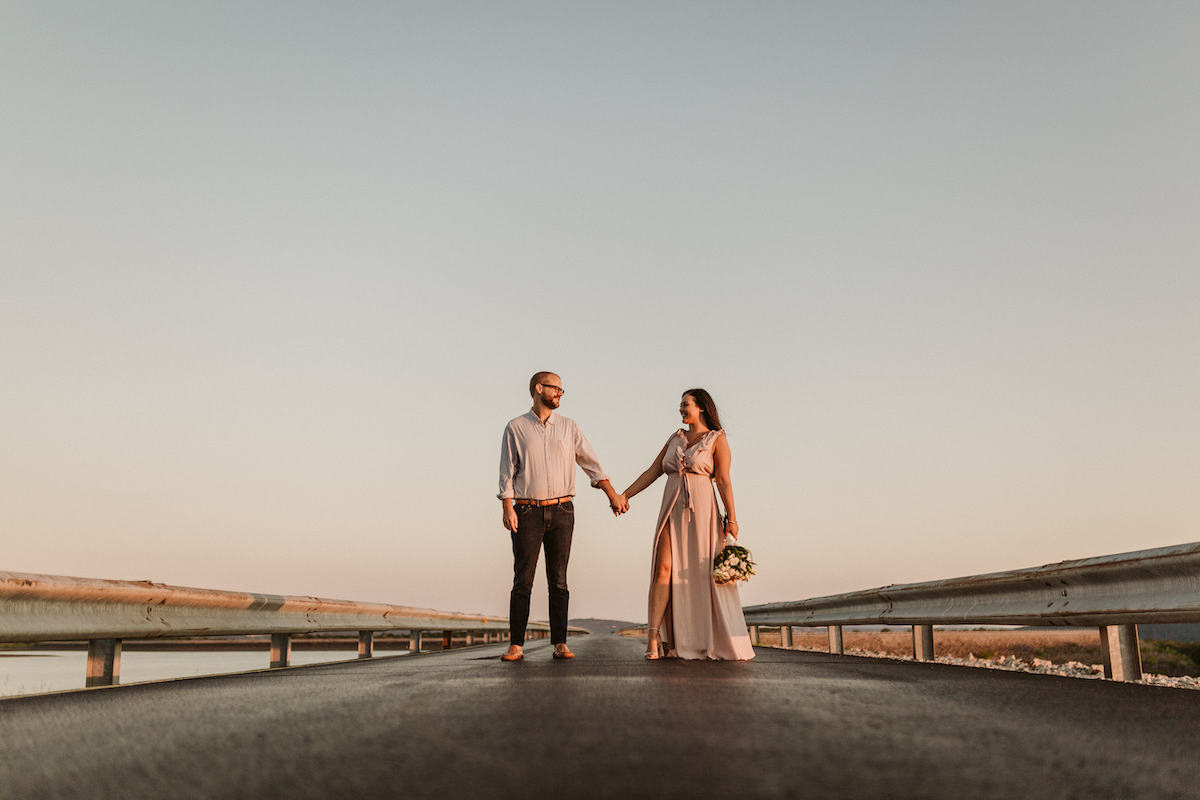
(274, 276)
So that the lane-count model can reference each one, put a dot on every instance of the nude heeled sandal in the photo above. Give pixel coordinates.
(657, 654)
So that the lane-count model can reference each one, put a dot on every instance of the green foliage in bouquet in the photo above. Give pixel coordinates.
(734, 563)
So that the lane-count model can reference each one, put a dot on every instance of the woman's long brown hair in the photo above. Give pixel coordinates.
(708, 408)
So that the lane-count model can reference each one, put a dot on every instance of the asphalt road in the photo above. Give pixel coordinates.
(608, 724)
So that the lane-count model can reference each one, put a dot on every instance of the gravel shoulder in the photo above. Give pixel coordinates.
(1071, 653)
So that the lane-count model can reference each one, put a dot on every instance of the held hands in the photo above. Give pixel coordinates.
(618, 504)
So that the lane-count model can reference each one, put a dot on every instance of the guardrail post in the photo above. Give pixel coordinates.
(1122, 656)
(281, 649)
(754, 635)
(103, 662)
(366, 644)
(835, 640)
(922, 642)
(785, 635)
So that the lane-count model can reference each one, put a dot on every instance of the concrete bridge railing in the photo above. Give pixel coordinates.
(42, 608)
(1113, 593)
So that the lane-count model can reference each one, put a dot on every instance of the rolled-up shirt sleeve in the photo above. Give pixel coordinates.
(587, 459)
(510, 462)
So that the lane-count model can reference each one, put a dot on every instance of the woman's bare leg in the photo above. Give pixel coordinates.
(660, 592)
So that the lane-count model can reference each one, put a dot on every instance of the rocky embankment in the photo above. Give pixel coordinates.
(1070, 669)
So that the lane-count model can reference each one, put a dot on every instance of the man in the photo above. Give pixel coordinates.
(537, 485)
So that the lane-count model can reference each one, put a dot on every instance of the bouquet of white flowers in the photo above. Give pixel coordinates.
(733, 564)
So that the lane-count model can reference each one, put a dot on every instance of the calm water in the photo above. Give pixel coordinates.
(33, 671)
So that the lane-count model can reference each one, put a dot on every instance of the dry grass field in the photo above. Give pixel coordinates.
(1056, 645)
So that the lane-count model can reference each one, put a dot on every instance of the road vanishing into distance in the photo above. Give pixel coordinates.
(461, 723)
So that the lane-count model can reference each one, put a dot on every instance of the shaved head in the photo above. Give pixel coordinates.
(540, 377)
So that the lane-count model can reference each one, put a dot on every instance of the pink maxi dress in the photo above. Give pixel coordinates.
(703, 619)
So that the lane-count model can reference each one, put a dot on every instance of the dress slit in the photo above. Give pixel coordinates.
(666, 629)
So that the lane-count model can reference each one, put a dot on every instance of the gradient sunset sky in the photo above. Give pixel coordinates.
(275, 275)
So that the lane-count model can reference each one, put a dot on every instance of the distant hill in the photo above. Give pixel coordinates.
(1161, 631)
(601, 625)
(1171, 632)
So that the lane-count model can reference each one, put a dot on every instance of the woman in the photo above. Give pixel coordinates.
(690, 615)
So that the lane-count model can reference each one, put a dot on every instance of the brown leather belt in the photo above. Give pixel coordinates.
(553, 502)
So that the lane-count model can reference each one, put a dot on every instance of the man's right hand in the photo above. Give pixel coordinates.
(509, 518)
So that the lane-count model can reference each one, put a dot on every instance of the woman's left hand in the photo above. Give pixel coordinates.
(731, 528)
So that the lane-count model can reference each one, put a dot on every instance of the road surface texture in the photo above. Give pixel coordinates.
(608, 724)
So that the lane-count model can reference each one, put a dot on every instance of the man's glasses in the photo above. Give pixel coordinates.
(558, 389)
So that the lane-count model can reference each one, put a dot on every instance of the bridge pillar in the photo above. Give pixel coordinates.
(281, 649)
(469, 638)
(447, 639)
(103, 662)
(754, 635)
(415, 644)
(1122, 656)
(366, 644)
(835, 639)
(785, 636)
(922, 642)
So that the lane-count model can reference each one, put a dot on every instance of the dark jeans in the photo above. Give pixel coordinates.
(552, 527)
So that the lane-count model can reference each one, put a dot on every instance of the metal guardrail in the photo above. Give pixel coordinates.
(41, 608)
(1113, 593)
